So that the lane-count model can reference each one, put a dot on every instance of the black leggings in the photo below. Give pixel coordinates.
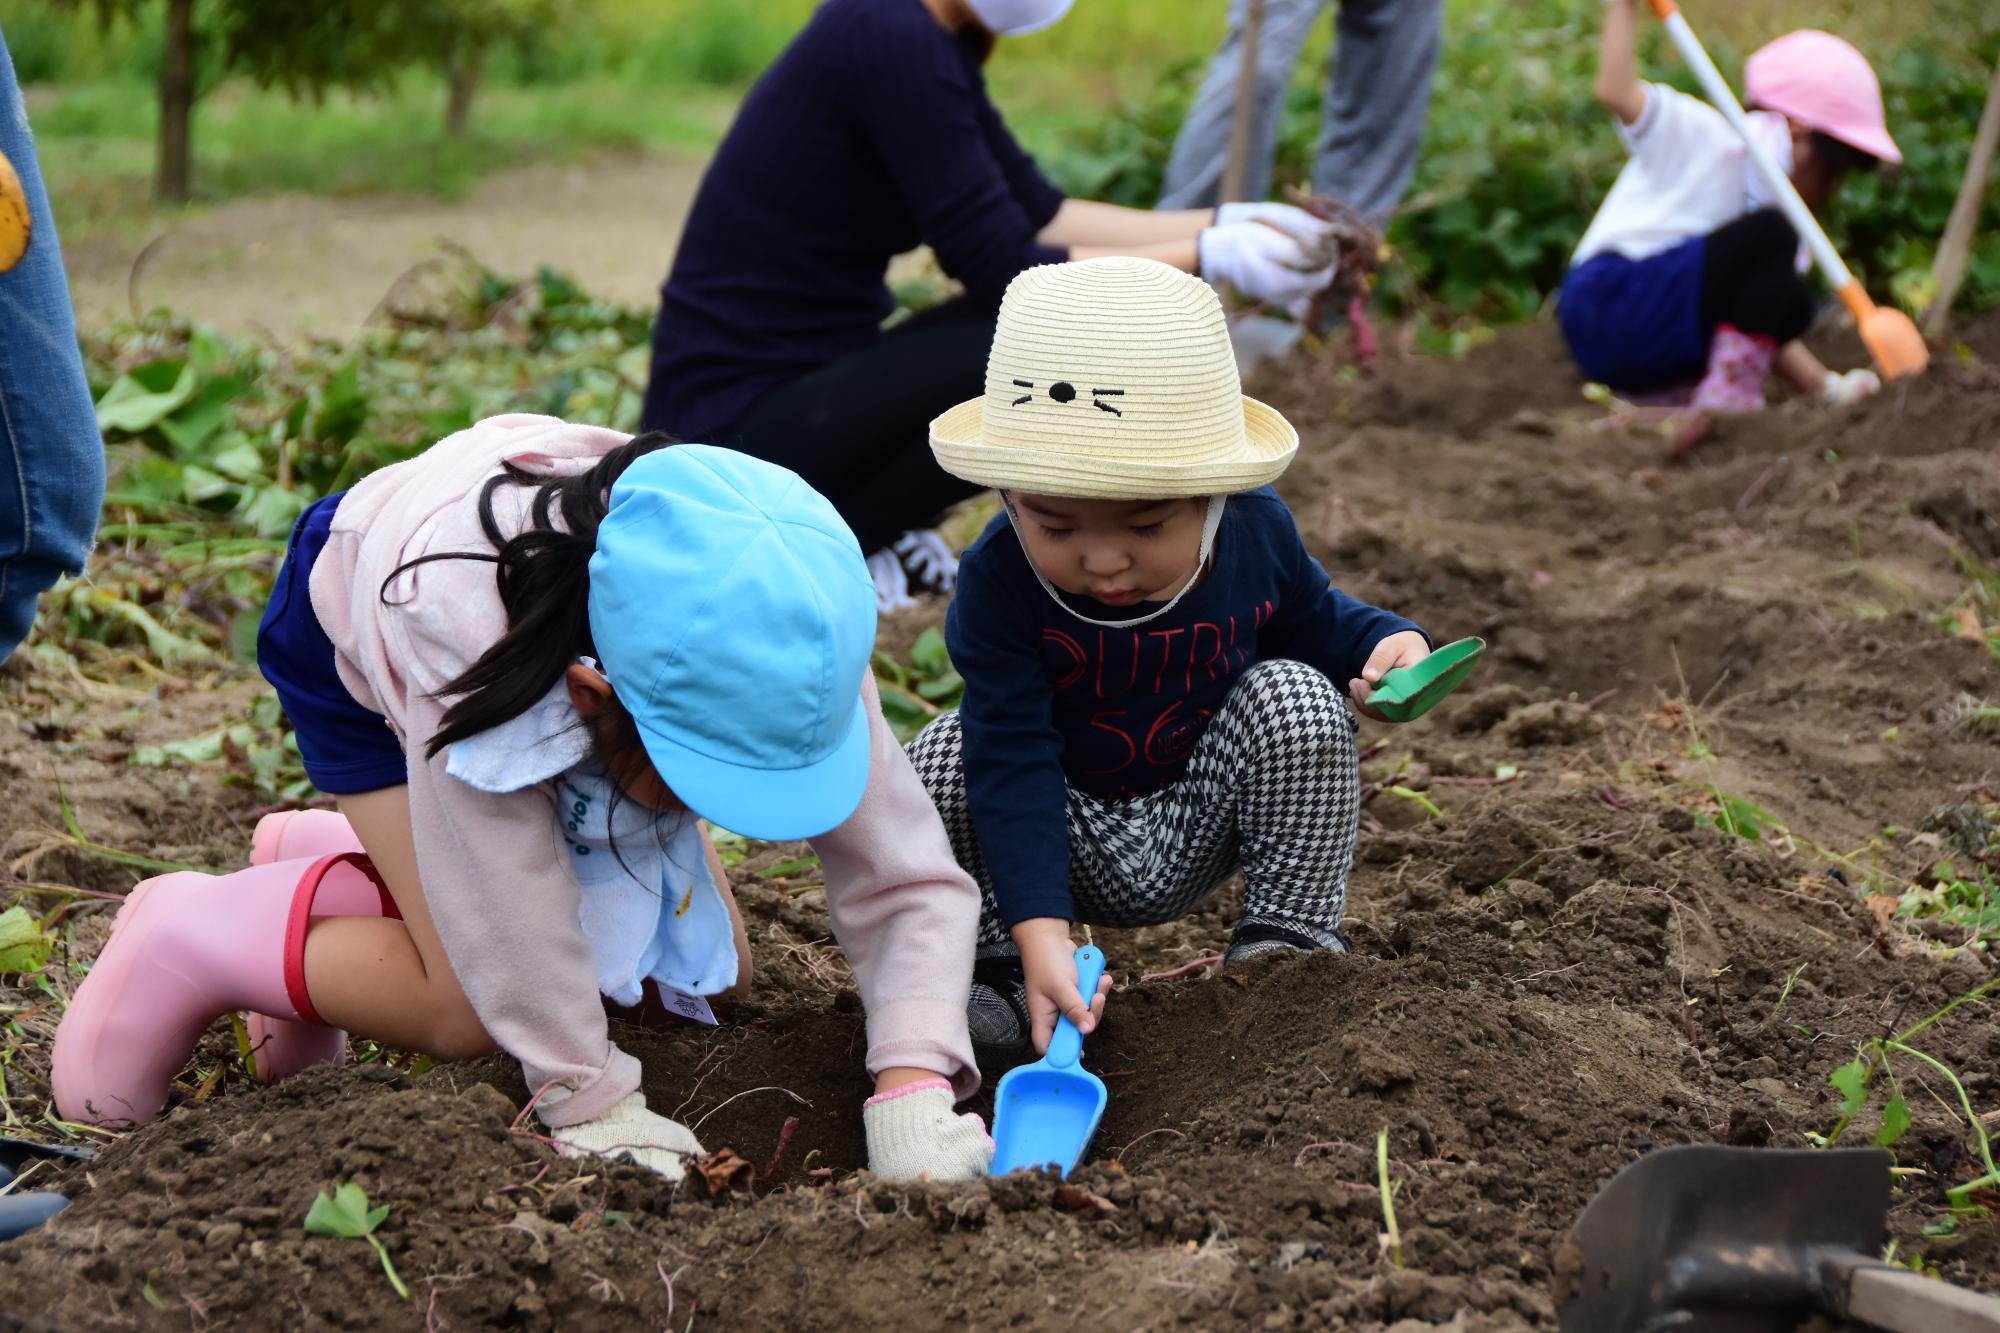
(858, 429)
(1747, 278)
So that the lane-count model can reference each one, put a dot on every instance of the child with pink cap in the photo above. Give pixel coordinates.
(1687, 287)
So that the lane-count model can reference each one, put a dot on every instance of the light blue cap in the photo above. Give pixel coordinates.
(734, 616)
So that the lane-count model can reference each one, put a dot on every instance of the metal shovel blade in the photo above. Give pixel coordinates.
(1708, 1239)
(1045, 1113)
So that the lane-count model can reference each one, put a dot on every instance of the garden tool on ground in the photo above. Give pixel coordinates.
(22, 1211)
(1713, 1239)
(1890, 335)
(1045, 1113)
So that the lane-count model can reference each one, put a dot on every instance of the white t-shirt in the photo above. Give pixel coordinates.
(1689, 174)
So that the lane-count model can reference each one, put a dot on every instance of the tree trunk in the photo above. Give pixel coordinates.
(1956, 246)
(466, 67)
(172, 185)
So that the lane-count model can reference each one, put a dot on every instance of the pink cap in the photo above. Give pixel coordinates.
(1826, 85)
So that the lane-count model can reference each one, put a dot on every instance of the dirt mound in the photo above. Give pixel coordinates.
(1629, 890)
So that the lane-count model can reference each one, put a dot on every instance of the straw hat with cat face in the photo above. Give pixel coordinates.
(1113, 379)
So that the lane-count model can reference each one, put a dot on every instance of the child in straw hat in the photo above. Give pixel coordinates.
(1166, 708)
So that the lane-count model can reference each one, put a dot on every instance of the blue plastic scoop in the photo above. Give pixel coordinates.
(1045, 1112)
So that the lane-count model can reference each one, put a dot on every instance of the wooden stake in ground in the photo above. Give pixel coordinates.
(1956, 246)
(1236, 167)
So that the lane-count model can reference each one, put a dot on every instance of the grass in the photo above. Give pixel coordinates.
(667, 74)
(96, 141)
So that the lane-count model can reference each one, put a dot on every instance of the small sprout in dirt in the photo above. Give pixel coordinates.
(1971, 714)
(1855, 1081)
(1411, 794)
(1786, 993)
(24, 944)
(244, 1050)
(1968, 903)
(1392, 1238)
(345, 1213)
(1735, 815)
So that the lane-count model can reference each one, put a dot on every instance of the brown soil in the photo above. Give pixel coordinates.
(1570, 968)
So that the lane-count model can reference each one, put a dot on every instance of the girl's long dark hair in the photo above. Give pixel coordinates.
(544, 577)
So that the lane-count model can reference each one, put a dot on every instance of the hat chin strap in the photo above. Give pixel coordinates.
(1210, 525)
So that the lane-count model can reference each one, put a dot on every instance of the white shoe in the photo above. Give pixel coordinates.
(892, 585)
(927, 560)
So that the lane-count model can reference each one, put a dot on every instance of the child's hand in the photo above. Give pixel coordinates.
(629, 1130)
(1846, 390)
(914, 1133)
(1048, 959)
(1398, 650)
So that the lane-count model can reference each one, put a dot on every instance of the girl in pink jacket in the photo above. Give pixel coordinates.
(472, 646)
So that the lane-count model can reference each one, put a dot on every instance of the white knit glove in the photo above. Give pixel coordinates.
(1320, 238)
(914, 1132)
(1263, 263)
(629, 1130)
(1845, 390)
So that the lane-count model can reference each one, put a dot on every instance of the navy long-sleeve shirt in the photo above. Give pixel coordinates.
(870, 134)
(1053, 701)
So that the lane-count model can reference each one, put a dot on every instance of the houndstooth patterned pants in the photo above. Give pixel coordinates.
(1272, 789)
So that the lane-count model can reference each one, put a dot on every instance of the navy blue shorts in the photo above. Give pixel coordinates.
(1635, 324)
(347, 748)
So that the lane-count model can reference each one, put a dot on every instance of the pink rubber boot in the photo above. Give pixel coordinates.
(281, 1047)
(1738, 365)
(289, 835)
(186, 948)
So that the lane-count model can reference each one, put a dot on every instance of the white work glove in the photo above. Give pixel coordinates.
(1845, 390)
(1263, 263)
(629, 1130)
(914, 1132)
(1319, 238)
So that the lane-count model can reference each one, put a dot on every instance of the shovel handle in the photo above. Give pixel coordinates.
(1784, 193)
(1066, 1044)
(1906, 1302)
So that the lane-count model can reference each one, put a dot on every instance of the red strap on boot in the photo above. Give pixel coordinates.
(299, 920)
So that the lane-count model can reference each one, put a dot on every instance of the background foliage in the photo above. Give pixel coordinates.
(1516, 158)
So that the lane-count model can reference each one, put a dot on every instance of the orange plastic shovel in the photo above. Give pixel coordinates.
(1890, 335)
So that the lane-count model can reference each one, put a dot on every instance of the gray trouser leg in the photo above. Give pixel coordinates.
(1194, 172)
(1377, 101)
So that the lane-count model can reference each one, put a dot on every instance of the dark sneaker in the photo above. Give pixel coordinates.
(1260, 939)
(997, 1011)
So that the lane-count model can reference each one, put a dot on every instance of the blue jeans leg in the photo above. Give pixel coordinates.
(51, 454)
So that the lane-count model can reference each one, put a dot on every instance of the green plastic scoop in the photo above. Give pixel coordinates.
(1409, 692)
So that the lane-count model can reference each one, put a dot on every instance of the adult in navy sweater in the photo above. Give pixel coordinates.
(870, 135)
